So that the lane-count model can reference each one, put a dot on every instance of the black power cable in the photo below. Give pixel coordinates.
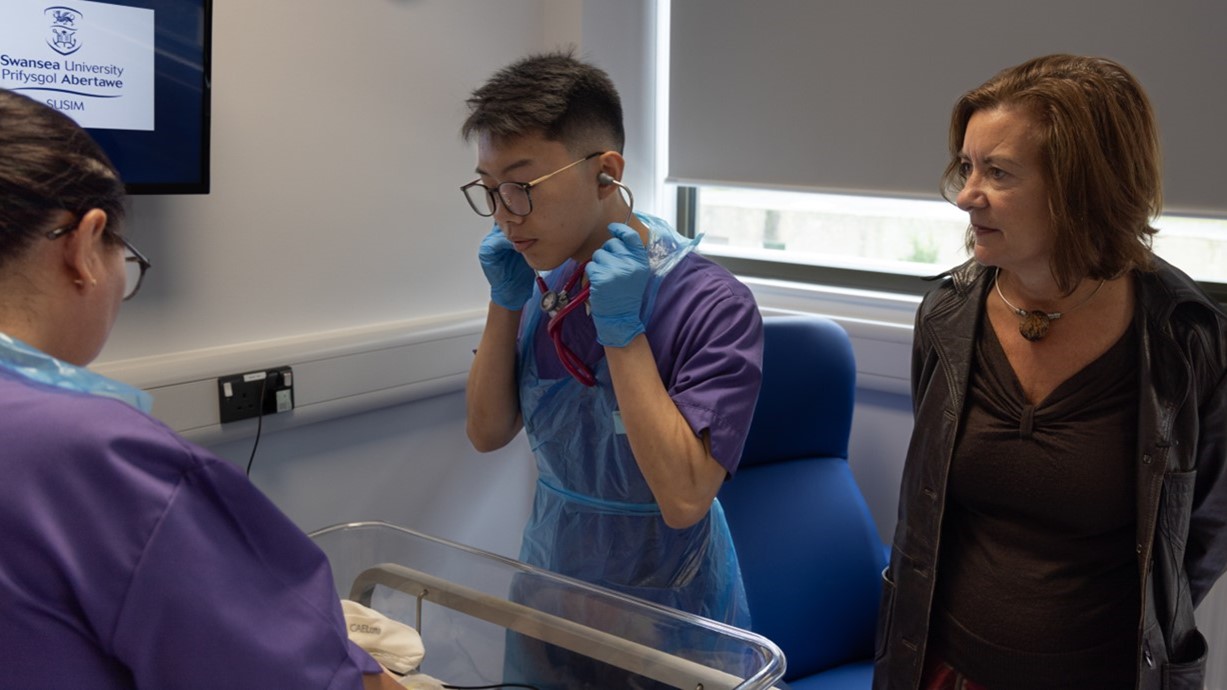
(259, 424)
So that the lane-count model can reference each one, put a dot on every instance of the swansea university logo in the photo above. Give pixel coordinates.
(64, 21)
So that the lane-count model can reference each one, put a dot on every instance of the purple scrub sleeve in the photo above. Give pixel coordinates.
(133, 558)
(706, 334)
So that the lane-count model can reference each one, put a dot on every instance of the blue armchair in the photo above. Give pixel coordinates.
(810, 553)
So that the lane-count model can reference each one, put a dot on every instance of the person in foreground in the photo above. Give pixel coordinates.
(1064, 500)
(131, 558)
(636, 400)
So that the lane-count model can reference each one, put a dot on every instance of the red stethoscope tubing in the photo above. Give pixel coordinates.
(570, 361)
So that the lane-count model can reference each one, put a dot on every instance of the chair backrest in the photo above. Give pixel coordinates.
(810, 553)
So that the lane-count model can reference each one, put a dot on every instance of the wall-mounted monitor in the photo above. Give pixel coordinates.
(135, 73)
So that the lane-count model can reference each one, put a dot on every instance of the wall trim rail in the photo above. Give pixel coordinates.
(350, 371)
(336, 373)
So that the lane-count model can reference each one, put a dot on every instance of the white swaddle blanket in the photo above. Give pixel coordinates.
(396, 646)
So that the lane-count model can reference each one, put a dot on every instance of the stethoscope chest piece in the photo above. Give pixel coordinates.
(554, 300)
(558, 304)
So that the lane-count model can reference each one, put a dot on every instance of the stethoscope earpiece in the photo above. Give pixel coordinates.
(605, 179)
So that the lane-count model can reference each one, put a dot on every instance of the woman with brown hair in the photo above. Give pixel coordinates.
(1064, 497)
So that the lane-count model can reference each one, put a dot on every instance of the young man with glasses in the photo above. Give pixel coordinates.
(637, 399)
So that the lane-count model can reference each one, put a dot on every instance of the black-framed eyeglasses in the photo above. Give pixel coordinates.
(135, 263)
(514, 195)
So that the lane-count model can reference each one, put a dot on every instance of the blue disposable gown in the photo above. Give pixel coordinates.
(594, 517)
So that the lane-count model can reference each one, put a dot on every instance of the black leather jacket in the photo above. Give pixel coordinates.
(1181, 471)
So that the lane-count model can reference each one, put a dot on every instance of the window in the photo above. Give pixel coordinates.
(848, 239)
(854, 99)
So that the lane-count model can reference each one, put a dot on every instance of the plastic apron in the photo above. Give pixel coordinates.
(594, 517)
(39, 366)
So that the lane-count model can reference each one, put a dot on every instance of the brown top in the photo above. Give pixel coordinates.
(1037, 584)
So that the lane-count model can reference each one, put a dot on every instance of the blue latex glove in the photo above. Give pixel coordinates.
(618, 276)
(510, 277)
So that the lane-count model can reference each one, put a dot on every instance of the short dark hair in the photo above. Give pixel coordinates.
(1100, 147)
(555, 94)
(49, 164)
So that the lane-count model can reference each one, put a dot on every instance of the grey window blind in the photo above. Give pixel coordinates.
(854, 96)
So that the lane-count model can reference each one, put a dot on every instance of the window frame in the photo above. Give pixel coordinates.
(857, 279)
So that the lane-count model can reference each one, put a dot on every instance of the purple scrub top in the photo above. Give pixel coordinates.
(707, 337)
(132, 558)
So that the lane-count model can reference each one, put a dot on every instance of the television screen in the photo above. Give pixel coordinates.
(135, 73)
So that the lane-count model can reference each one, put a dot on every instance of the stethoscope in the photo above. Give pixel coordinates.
(560, 303)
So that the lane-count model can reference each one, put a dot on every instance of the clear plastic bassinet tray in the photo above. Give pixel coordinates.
(477, 613)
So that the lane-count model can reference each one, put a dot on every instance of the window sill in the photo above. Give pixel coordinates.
(878, 323)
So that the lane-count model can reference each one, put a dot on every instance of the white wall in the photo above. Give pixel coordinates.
(336, 163)
(407, 465)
